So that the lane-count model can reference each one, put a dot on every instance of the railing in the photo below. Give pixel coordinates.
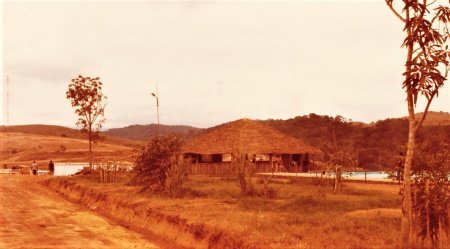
(5, 171)
(222, 169)
(107, 171)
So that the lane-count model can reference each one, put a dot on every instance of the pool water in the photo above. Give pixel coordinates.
(66, 169)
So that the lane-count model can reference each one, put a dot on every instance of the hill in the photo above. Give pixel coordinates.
(22, 144)
(434, 118)
(65, 132)
(145, 132)
(23, 148)
(372, 146)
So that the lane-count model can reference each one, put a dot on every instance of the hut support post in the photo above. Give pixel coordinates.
(271, 163)
(314, 161)
(295, 165)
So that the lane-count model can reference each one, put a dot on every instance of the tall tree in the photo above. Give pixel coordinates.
(426, 69)
(85, 95)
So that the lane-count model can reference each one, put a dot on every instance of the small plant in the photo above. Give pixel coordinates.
(14, 151)
(431, 195)
(244, 170)
(176, 175)
(430, 210)
(269, 192)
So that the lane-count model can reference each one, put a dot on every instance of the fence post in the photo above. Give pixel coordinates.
(115, 172)
(365, 176)
(427, 207)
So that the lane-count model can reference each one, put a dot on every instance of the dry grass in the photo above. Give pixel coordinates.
(23, 148)
(305, 213)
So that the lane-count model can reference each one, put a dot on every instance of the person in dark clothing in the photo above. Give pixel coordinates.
(34, 168)
(51, 167)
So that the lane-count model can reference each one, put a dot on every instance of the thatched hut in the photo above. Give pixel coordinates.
(268, 148)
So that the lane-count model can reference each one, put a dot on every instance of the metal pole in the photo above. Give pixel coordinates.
(157, 102)
(157, 105)
(157, 108)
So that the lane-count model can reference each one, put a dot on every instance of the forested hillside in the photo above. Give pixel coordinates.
(145, 132)
(373, 146)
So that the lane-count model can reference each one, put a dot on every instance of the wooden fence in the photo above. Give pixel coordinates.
(222, 169)
(107, 171)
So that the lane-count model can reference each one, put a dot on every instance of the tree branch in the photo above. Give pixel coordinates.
(395, 12)
(425, 112)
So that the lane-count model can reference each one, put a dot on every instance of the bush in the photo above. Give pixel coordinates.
(244, 170)
(62, 148)
(431, 194)
(176, 175)
(154, 164)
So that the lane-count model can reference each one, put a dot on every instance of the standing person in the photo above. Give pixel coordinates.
(51, 167)
(34, 168)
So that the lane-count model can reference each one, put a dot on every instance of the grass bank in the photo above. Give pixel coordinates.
(213, 214)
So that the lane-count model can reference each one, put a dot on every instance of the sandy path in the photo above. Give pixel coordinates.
(34, 217)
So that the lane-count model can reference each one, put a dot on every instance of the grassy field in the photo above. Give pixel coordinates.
(17, 148)
(304, 213)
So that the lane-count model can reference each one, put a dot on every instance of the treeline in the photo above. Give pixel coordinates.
(370, 146)
(145, 132)
(374, 146)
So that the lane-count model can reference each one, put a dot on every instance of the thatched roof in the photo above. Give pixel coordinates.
(246, 136)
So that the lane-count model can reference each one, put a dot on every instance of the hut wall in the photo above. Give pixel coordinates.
(305, 162)
(211, 169)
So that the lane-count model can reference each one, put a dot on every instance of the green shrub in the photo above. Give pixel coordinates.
(154, 162)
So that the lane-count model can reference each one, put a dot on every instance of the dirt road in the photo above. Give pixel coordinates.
(34, 217)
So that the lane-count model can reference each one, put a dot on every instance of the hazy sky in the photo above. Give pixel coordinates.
(214, 61)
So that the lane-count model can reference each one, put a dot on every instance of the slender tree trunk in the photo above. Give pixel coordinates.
(406, 229)
(90, 146)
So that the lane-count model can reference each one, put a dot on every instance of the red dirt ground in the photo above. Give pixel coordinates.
(32, 216)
